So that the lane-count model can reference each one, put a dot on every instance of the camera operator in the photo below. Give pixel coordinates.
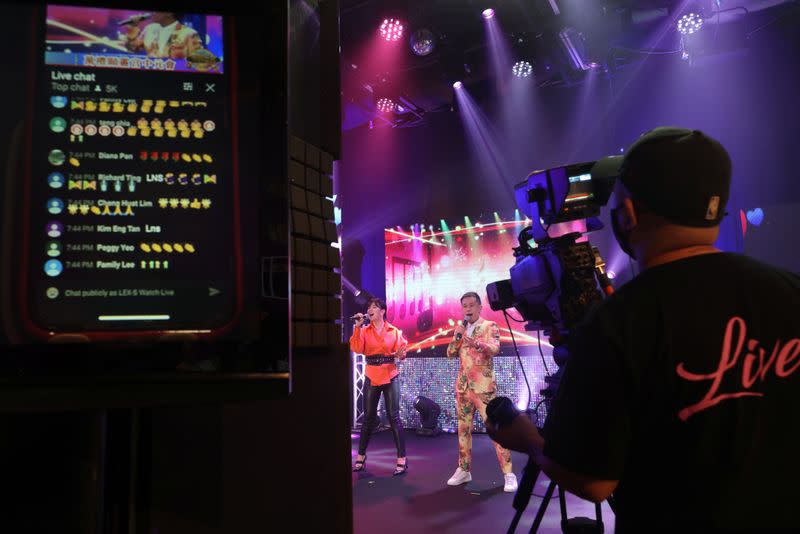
(680, 394)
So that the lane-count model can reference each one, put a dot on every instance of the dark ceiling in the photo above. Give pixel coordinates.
(607, 33)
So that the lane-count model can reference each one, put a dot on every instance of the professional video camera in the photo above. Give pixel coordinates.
(558, 276)
(555, 279)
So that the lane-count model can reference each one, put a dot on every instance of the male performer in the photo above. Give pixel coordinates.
(164, 37)
(476, 344)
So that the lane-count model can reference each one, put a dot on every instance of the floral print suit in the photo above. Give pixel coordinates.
(476, 387)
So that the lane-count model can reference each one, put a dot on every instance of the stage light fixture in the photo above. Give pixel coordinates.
(429, 413)
(458, 85)
(423, 42)
(391, 30)
(385, 105)
(522, 69)
(488, 13)
(690, 23)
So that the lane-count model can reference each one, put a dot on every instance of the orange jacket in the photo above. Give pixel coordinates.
(369, 342)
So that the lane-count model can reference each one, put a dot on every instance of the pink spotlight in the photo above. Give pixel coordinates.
(385, 105)
(391, 30)
(488, 13)
(458, 85)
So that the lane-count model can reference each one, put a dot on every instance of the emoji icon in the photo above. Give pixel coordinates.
(156, 247)
(55, 180)
(196, 179)
(72, 209)
(207, 158)
(53, 268)
(183, 179)
(173, 203)
(89, 185)
(56, 157)
(128, 211)
(182, 124)
(209, 126)
(143, 155)
(90, 105)
(189, 248)
(195, 125)
(54, 229)
(198, 134)
(169, 178)
(186, 157)
(186, 134)
(76, 104)
(195, 205)
(58, 124)
(172, 133)
(158, 133)
(169, 124)
(95, 210)
(155, 124)
(210, 178)
(132, 107)
(206, 203)
(75, 184)
(176, 156)
(104, 107)
(104, 130)
(58, 101)
(165, 156)
(132, 131)
(118, 107)
(145, 247)
(179, 248)
(90, 129)
(167, 248)
(76, 129)
(184, 203)
(53, 249)
(154, 156)
(197, 158)
(174, 104)
(55, 206)
(162, 203)
(74, 162)
(52, 293)
(145, 132)
(106, 210)
(84, 209)
(118, 187)
(118, 131)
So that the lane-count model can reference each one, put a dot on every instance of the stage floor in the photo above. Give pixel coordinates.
(420, 501)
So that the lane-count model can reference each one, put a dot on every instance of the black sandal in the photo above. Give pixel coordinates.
(401, 469)
(360, 464)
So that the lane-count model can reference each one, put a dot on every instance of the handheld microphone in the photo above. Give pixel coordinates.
(358, 316)
(464, 323)
(135, 19)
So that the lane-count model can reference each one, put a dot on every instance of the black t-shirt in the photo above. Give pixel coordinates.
(685, 387)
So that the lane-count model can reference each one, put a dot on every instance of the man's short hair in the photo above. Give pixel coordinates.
(377, 302)
(470, 294)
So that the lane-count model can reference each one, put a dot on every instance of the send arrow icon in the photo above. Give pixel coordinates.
(213, 292)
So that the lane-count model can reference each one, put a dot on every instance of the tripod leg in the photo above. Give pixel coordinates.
(543, 507)
(523, 496)
(599, 514)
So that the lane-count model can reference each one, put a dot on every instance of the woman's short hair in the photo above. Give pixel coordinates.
(377, 302)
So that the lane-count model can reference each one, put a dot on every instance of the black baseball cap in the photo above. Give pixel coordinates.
(682, 175)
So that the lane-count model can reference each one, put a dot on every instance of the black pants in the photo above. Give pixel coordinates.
(391, 398)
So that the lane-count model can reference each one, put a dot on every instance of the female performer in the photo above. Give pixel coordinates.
(380, 343)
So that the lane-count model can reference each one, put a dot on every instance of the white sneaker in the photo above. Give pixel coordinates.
(459, 477)
(511, 483)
